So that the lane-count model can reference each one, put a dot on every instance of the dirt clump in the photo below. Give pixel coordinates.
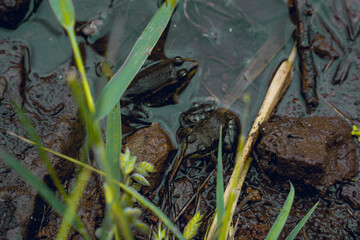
(350, 193)
(314, 152)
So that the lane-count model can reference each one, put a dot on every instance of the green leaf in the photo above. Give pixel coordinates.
(43, 155)
(112, 92)
(142, 226)
(73, 202)
(64, 12)
(141, 171)
(298, 227)
(43, 190)
(192, 226)
(113, 141)
(160, 234)
(127, 162)
(140, 179)
(132, 212)
(281, 219)
(220, 206)
(148, 167)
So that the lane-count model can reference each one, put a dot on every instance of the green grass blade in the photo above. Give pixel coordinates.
(43, 190)
(143, 201)
(281, 219)
(298, 227)
(112, 92)
(64, 12)
(42, 154)
(73, 202)
(113, 141)
(220, 206)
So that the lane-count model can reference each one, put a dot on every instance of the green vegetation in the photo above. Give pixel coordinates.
(281, 219)
(122, 174)
(223, 219)
(356, 132)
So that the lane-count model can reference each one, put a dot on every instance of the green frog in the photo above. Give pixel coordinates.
(199, 133)
(161, 82)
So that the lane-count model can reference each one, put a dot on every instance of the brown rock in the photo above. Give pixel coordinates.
(315, 151)
(350, 193)
(153, 145)
(48, 104)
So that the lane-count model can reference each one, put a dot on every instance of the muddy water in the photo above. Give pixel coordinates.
(226, 38)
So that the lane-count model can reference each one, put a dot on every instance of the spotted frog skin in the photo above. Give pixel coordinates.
(200, 128)
(160, 83)
(199, 133)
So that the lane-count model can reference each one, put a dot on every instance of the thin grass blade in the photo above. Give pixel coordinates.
(142, 200)
(43, 190)
(298, 227)
(64, 12)
(113, 141)
(220, 206)
(43, 155)
(73, 202)
(281, 219)
(112, 92)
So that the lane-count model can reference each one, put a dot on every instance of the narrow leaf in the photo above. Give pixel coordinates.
(160, 234)
(43, 190)
(148, 167)
(112, 92)
(73, 202)
(140, 179)
(132, 212)
(25, 122)
(220, 208)
(132, 192)
(281, 219)
(113, 141)
(64, 12)
(127, 162)
(298, 227)
(141, 171)
(142, 226)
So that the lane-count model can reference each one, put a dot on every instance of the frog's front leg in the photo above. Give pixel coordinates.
(135, 112)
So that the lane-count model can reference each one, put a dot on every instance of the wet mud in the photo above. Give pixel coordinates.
(35, 55)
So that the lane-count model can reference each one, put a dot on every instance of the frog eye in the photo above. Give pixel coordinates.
(178, 61)
(182, 73)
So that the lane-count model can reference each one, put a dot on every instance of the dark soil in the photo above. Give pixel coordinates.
(314, 152)
(225, 39)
